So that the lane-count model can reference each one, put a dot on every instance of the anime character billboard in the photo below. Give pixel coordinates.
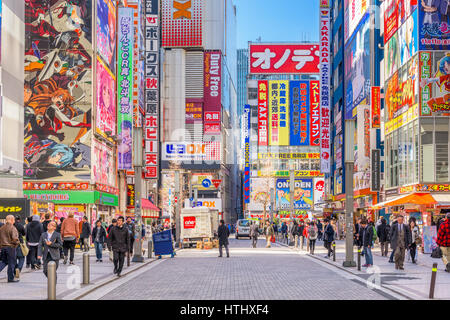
(303, 194)
(106, 32)
(434, 24)
(106, 100)
(57, 90)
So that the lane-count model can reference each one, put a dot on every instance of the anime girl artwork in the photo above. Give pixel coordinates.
(441, 99)
(106, 111)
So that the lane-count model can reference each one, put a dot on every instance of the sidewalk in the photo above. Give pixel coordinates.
(413, 282)
(33, 284)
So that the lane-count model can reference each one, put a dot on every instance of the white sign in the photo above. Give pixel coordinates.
(213, 203)
(188, 151)
(325, 57)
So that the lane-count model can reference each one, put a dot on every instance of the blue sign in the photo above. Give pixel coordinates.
(206, 183)
(299, 113)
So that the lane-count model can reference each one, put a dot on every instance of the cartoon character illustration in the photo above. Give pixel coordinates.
(126, 145)
(106, 114)
(442, 80)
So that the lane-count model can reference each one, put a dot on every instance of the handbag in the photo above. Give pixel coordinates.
(418, 241)
(272, 239)
(24, 247)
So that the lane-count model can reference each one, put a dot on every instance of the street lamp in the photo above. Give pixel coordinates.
(349, 167)
(137, 163)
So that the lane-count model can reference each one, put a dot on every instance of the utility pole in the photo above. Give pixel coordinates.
(272, 201)
(349, 166)
(178, 204)
(137, 163)
(291, 188)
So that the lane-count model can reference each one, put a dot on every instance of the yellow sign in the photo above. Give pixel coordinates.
(197, 181)
(285, 173)
(10, 209)
(402, 119)
(288, 155)
(279, 113)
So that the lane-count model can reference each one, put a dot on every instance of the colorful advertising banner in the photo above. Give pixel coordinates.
(212, 92)
(260, 194)
(58, 97)
(285, 173)
(391, 56)
(434, 83)
(182, 23)
(357, 68)
(325, 103)
(125, 87)
(106, 100)
(303, 194)
(194, 111)
(263, 119)
(247, 117)
(315, 113)
(408, 42)
(434, 25)
(319, 190)
(151, 125)
(361, 178)
(395, 14)
(103, 166)
(354, 11)
(376, 106)
(131, 196)
(299, 113)
(279, 113)
(299, 58)
(293, 155)
(106, 32)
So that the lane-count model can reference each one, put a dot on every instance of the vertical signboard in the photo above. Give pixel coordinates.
(151, 125)
(325, 90)
(247, 153)
(106, 99)
(319, 190)
(212, 92)
(376, 106)
(279, 113)
(125, 87)
(315, 113)
(299, 113)
(263, 120)
(194, 111)
(375, 170)
(182, 23)
(106, 32)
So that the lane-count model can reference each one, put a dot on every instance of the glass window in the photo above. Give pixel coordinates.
(387, 162)
(416, 150)
(410, 160)
(441, 142)
(427, 149)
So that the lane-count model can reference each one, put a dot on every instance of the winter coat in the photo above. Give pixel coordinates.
(69, 228)
(223, 233)
(9, 237)
(443, 238)
(21, 230)
(34, 231)
(366, 236)
(328, 233)
(102, 234)
(85, 230)
(383, 232)
(119, 239)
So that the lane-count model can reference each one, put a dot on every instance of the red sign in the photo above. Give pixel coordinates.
(55, 186)
(390, 20)
(189, 222)
(262, 113)
(376, 107)
(300, 58)
(315, 113)
(216, 183)
(212, 91)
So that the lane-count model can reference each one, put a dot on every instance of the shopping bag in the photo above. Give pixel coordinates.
(272, 239)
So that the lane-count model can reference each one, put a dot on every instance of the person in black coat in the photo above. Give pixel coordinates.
(85, 235)
(400, 243)
(366, 241)
(223, 234)
(99, 239)
(119, 243)
(19, 254)
(383, 236)
(328, 236)
(33, 235)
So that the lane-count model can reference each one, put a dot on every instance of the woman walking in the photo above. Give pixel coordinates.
(416, 239)
(312, 235)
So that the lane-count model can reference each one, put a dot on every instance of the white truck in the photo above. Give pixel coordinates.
(197, 224)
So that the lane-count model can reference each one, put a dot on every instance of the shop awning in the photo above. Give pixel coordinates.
(442, 199)
(148, 205)
(413, 198)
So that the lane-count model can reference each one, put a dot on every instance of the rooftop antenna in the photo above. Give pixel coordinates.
(258, 39)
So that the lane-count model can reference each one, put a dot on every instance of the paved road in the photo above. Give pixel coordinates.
(275, 273)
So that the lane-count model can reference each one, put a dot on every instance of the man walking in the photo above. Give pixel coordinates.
(85, 235)
(383, 236)
(99, 239)
(320, 230)
(119, 242)
(223, 233)
(443, 241)
(269, 233)
(284, 231)
(254, 234)
(70, 232)
(366, 239)
(131, 228)
(301, 233)
(20, 255)
(391, 257)
(295, 234)
(9, 240)
(49, 245)
(33, 234)
(46, 221)
(400, 240)
(328, 236)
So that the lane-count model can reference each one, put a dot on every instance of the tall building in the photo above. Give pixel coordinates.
(242, 69)
(199, 105)
(11, 99)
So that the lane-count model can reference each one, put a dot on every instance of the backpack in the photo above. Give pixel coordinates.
(374, 238)
(312, 233)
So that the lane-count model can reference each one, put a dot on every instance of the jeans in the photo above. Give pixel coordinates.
(8, 256)
(119, 258)
(20, 259)
(69, 245)
(98, 249)
(368, 255)
(391, 258)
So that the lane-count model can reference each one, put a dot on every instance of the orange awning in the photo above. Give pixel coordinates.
(413, 198)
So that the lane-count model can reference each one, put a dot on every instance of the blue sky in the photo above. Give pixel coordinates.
(276, 20)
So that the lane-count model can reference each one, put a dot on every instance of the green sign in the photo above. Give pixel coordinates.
(106, 199)
(61, 196)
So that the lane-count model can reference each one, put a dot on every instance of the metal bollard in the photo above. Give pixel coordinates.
(433, 280)
(359, 259)
(334, 250)
(86, 270)
(51, 280)
(150, 248)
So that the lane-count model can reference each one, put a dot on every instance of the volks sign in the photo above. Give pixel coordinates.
(189, 222)
(299, 58)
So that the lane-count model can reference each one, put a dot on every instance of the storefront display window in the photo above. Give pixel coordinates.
(441, 142)
(410, 160)
(427, 149)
